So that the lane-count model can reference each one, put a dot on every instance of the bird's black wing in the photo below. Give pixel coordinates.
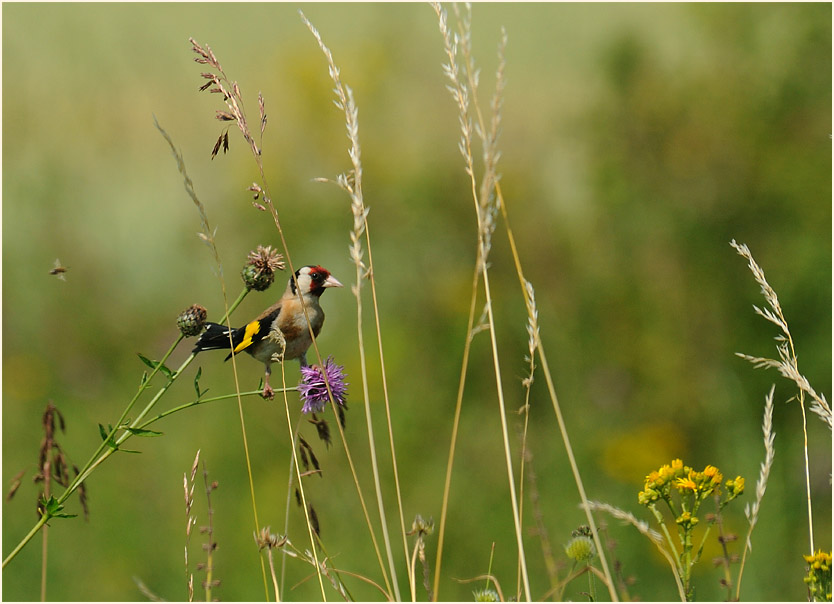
(216, 336)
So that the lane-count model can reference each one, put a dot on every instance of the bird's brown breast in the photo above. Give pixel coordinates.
(292, 323)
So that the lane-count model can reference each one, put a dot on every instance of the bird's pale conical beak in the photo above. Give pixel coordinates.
(331, 281)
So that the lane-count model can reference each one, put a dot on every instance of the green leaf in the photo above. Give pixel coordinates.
(142, 432)
(146, 360)
(105, 432)
(197, 381)
(111, 442)
(52, 509)
(154, 364)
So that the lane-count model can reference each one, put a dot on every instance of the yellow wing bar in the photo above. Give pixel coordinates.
(251, 329)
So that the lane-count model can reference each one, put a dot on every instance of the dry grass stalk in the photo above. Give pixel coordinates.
(787, 363)
(190, 521)
(463, 82)
(525, 455)
(752, 511)
(787, 366)
(461, 95)
(351, 182)
(540, 530)
(231, 96)
(643, 527)
(234, 103)
(210, 545)
(206, 233)
(265, 539)
(147, 592)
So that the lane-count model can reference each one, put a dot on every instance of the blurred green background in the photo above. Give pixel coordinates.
(637, 141)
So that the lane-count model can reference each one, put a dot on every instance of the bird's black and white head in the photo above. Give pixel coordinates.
(313, 280)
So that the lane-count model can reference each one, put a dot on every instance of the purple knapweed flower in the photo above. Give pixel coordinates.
(313, 389)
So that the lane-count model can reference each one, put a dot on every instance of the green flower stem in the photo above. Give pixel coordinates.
(235, 304)
(672, 508)
(146, 410)
(204, 401)
(100, 455)
(135, 423)
(591, 585)
(672, 547)
(701, 546)
(686, 561)
(94, 459)
(38, 525)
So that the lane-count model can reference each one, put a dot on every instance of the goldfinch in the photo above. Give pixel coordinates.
(281, 328)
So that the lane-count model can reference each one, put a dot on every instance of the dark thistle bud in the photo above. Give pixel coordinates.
(191, 320)
(259, 271)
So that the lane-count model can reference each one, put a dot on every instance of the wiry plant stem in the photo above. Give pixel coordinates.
(207, 235)
(484, 212)
(787, 366)
(752, 512)
(352, 184)
(190, 521)
(644, 529)
(290, 481)
(532, 332)
(211, 546)
(538, 518)
(234, 101)
(447, 485)
(293, 441)
(100, 455)
(47, 483)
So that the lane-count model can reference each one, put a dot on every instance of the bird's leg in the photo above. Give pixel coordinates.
(268, 392)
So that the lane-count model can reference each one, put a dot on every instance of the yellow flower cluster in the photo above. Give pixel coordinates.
(686, 481)
(819, 575)
(821, 560)
(735, 487)
(686, 520)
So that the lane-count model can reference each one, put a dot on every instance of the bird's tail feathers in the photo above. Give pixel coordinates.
(215, 337)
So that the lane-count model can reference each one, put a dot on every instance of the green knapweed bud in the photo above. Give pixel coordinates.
(581, 548)
(259, 271)
(486, 595)
(191, 320)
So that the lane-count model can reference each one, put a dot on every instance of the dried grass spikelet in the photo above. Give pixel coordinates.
(218, 83)
(787, 364)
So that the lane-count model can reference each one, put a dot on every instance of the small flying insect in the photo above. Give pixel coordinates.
(58, 270)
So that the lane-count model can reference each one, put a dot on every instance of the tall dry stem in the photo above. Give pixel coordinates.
(787, 366)
(752, 511)
(351, 183)
(463, 87)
